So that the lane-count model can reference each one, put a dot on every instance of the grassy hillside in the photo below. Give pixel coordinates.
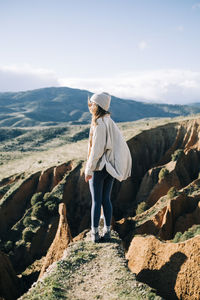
(52, 106)
(33, 148)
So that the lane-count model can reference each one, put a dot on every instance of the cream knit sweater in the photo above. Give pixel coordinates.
(108, 147)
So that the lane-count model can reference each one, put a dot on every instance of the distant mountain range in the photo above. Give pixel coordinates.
(55, 105)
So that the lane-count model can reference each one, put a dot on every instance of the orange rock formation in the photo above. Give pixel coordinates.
(172, 268)
(61, 241)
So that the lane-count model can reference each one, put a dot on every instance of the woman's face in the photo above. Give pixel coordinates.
(92, 106)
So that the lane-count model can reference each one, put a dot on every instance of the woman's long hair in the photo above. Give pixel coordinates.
(98, 112)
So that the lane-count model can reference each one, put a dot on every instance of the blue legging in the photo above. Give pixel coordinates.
(100, 187)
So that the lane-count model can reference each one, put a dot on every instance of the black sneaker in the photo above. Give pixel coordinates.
(95, 237)
(106, 236)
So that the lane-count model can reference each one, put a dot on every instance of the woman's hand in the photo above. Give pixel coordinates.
(87, 178)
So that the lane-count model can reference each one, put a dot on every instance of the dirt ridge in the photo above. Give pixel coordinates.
(91, 271)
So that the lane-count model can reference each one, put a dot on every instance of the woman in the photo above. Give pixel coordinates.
(108, 158)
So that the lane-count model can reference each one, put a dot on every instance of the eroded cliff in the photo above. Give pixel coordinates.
(164, 181)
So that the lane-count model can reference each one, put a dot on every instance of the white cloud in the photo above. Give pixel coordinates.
(165, 85)
(196, 5)
(25, 77)
(142, 45)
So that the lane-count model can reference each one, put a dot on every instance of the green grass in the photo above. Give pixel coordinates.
(142, 206)
(173, 192)
(163, 173)
(190, 233)
(177, 154)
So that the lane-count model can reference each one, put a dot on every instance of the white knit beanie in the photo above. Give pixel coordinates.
(102, 99)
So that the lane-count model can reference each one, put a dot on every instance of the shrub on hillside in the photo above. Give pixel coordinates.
(177, 237)
(20, 243)
(27, 234)
(190, 189)
(163, 173)
(51, 202)
(29, 222)
(17, 226)
(39, 211)
(51, 207)
(39, 203)
(190, 233)
(46, 196)
(8, 246)
(49, 197)
(186, 236)
(177, 154)
(172, 192)
(37, 197)
(142, 206)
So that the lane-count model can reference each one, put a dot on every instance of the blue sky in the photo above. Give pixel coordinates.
(138, 49)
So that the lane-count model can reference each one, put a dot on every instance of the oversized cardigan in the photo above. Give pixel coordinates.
(107, 147)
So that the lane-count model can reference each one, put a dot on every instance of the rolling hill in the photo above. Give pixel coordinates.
(56, 105)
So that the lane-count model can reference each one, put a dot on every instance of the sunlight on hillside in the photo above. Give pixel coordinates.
(16, 161)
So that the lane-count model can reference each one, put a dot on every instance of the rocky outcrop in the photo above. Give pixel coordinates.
(186, 221)
(176, 209)
(49, 178)
(181, 173)
(7, 183)
(165, 218)
(77, 198)
(151, 150)
(60, 243)
(10, 286)
(173, 269)
(147, 150)
(14, 204)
